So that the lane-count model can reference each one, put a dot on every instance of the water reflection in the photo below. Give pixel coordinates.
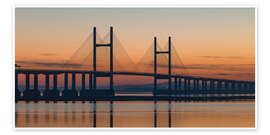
(135, 114)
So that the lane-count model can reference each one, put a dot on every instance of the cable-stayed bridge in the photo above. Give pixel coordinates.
(106, 58)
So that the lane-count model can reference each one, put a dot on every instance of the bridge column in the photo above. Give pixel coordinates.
(194, 88)
(197, 84)
(175, 87)
(185, 84)
(206, 85)
(47, 82)
(219, 88)
(245, 86)
(66, 81)
(179, 88)
(55, 81)
(170, 87)
(188, 84)
(219, 84)
(175, 83)
(233, 85)
(248, 86)
(226, 88)
(17, 92)
(211, 84)
(179, 83)
(73, 81)
(185, 88)
(239, 86)
(35, 81)
(188, 89)
(203, 84)
(155, 72)
(83, 81)
(202, 87)
(233, 91)
(90, 81)
(251, 86)
(236, 86)
(16, 81)
(194, 84)
(226, 85)
(27, 81)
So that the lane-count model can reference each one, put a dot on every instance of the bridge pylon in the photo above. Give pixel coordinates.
(106, 93)
(156, 77)
(97, 74)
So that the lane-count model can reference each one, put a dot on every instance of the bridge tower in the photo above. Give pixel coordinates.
(103, 93)
(156, 77)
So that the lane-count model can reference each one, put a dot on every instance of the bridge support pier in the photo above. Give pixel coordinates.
(31, 94)
(83, 81)
(85, 94)
(55, 81)
(69, 94)
(27, 81)
(90, 81)
(73, 82)
(66, 81)
(179, 89)
(17, 92)
(51, 94)
(47, 82)
(35, 81)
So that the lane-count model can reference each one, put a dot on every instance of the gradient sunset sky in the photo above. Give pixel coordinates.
(212, 42)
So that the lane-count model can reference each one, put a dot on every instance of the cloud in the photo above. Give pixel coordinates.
(49, 64)
(53, 64)
(166, 66)
(223, 74)
(236, 74)
(221, 57)
(227, 67)
(48, 54)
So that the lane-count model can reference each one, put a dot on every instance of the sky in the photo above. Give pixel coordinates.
(212, 42)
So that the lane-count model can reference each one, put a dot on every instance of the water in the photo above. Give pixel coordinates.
(136, 114)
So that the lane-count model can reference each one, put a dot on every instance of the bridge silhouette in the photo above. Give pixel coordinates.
(180, 87)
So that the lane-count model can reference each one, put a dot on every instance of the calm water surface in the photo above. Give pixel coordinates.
(136, 114)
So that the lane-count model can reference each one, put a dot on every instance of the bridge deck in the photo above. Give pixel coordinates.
(42, 71)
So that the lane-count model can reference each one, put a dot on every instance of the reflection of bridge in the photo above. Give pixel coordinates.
(185, 88)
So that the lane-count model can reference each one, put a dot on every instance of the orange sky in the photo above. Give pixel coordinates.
(212, 42)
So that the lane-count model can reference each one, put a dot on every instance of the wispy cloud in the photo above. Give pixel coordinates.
(48, 54)
(223, 74)
(226, 67)
(48, 64)
(221, 57)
